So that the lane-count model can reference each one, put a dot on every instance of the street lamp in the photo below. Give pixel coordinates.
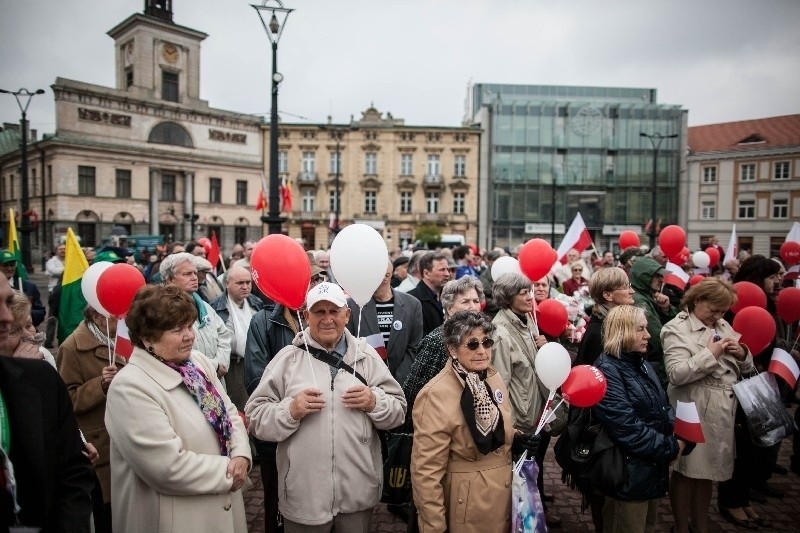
(336, 134)
(274, 29)
(25, 228)
(655, 139)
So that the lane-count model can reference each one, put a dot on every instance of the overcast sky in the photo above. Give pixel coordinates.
(723, 60)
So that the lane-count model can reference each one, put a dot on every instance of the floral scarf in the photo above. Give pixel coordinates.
(483, 417)
(209, 400)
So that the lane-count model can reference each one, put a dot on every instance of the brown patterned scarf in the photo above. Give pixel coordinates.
(481, 413)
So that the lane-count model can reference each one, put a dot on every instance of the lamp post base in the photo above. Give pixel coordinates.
(274, 223)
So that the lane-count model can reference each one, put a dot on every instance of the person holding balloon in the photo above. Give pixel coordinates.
(704, 360)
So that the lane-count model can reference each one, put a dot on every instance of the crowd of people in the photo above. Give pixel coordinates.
(222, 377)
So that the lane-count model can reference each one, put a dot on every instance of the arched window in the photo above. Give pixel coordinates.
(170, 133)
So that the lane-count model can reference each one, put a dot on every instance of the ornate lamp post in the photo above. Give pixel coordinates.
(274, 29)
(23, 97)
(655, 139)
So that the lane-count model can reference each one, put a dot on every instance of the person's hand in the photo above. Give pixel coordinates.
(90, 451)
(717, 348)
(28, 350)
(108, 374)
(237, 469)
(359, 397)
(540, 340)
(526, 442)
(662, 300)
(307, 402)
(735, 349)
(221, 371)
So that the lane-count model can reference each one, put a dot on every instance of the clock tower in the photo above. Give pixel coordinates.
(156, 58)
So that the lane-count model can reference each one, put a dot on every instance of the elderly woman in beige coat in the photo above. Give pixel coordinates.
(179, 451)
(463, 437)
(703, 360)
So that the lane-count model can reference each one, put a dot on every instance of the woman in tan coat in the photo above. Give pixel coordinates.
(463, 435)
(703, 360)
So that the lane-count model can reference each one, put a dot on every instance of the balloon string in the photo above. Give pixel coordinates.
(545, 413)
(308, 353)
(358, 336)
(112, 345)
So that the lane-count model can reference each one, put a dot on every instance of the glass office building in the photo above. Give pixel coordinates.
(579, 148)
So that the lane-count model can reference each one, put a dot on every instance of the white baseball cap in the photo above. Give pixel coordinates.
(330, 292)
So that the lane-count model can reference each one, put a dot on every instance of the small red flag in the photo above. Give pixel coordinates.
(782, 364)
(213, 253)
(261, 202)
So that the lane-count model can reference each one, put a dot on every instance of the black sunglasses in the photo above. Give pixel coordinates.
(474, 343)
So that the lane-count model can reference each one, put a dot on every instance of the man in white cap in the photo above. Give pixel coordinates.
(339, 383)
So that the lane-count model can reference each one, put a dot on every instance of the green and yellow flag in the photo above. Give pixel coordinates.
(13, 245)
(70, 311)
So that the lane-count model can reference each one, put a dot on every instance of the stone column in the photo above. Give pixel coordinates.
(155, 194)
(188, 205)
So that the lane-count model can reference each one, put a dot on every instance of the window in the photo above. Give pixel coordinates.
(780, 208)
(215, 191)
(370, 201)
(709, 174)
(433, 165)
(460, 169)
(433, 202)
(747, 209)
(87, 231)
(336, 163)
(241, 192)
(406, 164)
(309, 162)
(405, 202)
(129, 77)
(169, 86)
(307, 200)
(283, 161)
(86, 179)
(170, 133)
(240, 234)
(747, 172)
(123, 183)
(458, 203)
(371, 163)
(781, 170)
(708, 210)
(168, 187)
(333, 201)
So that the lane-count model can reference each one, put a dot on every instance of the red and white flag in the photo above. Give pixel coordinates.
(687, 423)
(782, 364)
(122, 344)
(675, 276)
(376, 341)
(793, 272)
(577, 237)
(732, 251)
(261, 201)
(794, 233)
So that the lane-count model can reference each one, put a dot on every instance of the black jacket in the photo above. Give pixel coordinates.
(30, 290)
(592, 342)
(54, 478)
(639, 418)
(432, 314)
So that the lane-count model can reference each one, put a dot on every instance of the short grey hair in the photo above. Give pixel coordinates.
(171, 262)
(413, 262)
(507, 286)
(453, 288)
(461, 324)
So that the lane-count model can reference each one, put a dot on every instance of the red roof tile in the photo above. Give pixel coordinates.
(746, 135)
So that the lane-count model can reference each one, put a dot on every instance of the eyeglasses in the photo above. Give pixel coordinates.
(624, 288)
(577, 270)
(475, 343)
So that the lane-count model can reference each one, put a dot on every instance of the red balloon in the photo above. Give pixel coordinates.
(789, 304)
(281, 270)
(628, 239)
(117, 286)
(672, 240)
(713, 255)
(536, 258)
(552, 317)
(697, 278)
(681, 257)
(585, 386)
(205, 242)
(790, 252)
(747, 295)
(756, 326)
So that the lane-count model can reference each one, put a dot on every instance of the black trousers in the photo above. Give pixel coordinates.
(273, 521)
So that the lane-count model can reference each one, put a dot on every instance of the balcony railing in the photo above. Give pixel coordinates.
(307, 177)
(433, 179)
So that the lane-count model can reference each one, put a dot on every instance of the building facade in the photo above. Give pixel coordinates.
(550, 152)
(386, 174)
(745, 173)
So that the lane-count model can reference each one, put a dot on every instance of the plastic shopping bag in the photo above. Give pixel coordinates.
(767, 418)
(527, 512)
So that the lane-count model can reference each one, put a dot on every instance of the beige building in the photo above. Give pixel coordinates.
(745, 173)
(390, 176)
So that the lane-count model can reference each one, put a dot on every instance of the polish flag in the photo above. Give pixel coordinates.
(376, 341)
(793, 272)
(122, 344)
(782, 364)
(687, 423)
(675, 276)
(577, 237)
(732, 251)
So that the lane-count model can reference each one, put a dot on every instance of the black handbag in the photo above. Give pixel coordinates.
(397, 468)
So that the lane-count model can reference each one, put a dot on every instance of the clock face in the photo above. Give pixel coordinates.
(588, 120)
(170, 53)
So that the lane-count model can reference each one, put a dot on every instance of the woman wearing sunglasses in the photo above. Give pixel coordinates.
(463, 435)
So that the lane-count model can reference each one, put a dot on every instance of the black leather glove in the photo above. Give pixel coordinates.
(688, 448)
(526, 442)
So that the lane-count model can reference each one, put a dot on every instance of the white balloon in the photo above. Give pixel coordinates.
(359, 258)
(701, 259)
(552, 365)
(89, 285)
(505, 265)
